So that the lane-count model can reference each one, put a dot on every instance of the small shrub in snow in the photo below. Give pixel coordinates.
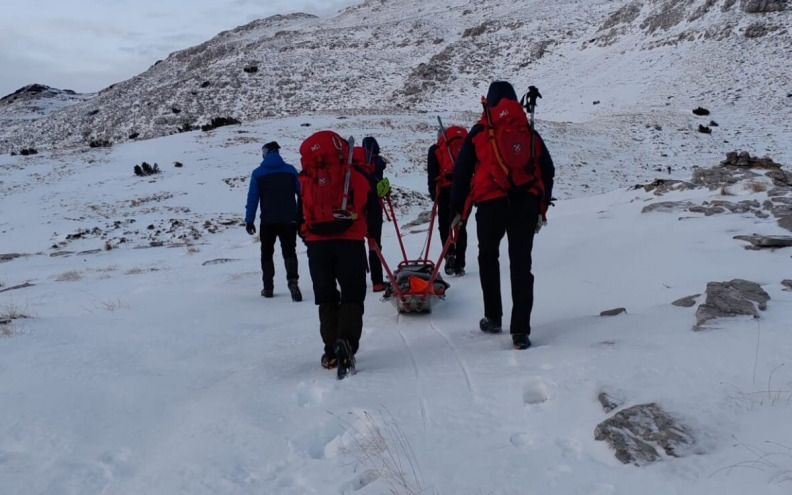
(704, 129)
(219, 122)
(28, 151)
(700, 111)
(145, 169)
(757, 186)
(100, 143)
(11, 312)
(70, 276)
(178, 164)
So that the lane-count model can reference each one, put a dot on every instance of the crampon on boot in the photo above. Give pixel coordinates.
(346, 359)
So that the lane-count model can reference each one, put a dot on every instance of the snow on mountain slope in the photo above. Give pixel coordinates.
(161, 370)
(139, 357)
(404, 56)
(35, 101)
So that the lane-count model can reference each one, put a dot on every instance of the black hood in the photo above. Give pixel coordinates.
(371, 146)
(499, 90)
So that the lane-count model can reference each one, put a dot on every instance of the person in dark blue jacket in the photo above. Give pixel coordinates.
(274, 187)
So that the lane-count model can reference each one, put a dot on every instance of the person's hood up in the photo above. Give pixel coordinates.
(499, 90)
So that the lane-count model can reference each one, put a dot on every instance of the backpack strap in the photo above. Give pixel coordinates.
(491, 132)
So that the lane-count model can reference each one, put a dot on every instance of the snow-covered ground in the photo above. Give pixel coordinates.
(160, 370)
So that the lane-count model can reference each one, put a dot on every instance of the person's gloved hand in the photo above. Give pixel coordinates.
(540, 223)
(456, 221)
(383, 187)
(251, 229)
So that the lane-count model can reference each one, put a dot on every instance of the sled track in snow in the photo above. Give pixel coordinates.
(421, 402)
(462, 365)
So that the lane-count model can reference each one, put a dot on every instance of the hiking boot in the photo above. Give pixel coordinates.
(460, 271)
(329, 361)
(346, 359)
(267, 292)
(521, 341)
(295, 291)
(490, 325)
(378, 287)
(450, 265)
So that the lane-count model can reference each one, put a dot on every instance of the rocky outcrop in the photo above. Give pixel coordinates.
(613, 312)
(609, 401)
(668, 207)
(733, 298)
(687, 301)
(764, 6)
(639, 433)
(765, 241)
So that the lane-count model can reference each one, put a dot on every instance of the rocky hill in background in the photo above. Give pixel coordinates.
(395, 56)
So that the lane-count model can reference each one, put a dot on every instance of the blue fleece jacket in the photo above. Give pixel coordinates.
(275, 188)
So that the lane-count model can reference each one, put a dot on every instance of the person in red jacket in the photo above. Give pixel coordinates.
(509, 201)
(337, 263)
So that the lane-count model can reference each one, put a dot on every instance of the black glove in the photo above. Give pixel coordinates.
(251, 229)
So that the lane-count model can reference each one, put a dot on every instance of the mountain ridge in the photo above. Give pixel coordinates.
(404, 56)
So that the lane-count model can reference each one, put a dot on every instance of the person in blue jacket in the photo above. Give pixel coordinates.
(274, 187)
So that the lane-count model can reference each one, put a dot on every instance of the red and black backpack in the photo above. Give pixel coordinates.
(508, 152)
(447, 151)
(328, 200)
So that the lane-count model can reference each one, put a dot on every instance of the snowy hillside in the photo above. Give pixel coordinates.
(136, 355)
(35, 101)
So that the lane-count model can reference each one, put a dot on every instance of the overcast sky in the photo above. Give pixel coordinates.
(86, 45)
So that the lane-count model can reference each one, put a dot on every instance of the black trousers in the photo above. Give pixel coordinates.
(338, 273)
(516, 217)
(444, 223)
(375, 265)
(287, 234)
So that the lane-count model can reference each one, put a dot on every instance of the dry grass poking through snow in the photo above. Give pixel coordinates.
(70, 276)
(8, 314)
(380, 444)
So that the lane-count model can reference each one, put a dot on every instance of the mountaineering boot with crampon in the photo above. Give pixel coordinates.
(490, 325)
(450, 265)
(296, 295)
(329, 361)
(521, 341)
(346, 359)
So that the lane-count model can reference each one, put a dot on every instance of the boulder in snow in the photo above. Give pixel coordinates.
(687, 301)
(667, 206)
(733, 298)
(613, 312)
(765, 241)
(636, 434)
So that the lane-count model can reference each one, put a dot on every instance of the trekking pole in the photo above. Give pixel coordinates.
(396, 226)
